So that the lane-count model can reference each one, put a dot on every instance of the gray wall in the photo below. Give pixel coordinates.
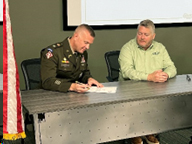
(37, 24)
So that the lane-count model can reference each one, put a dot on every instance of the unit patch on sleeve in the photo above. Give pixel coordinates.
(49, 54)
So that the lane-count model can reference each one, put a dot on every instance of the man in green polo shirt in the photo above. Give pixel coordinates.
(143, 58)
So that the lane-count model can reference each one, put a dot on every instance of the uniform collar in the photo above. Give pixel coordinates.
(70, 45)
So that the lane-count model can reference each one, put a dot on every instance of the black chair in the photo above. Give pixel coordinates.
(190, 141)
(111, 59)
(31, 73)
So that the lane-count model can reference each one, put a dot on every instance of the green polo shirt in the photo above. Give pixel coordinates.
(137, 63)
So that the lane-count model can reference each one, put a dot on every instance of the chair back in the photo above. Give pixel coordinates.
(111, 59)
(31, 73)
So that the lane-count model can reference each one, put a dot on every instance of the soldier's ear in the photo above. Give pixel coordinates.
(75, 35)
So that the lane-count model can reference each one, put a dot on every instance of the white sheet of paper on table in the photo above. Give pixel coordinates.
(103, 89)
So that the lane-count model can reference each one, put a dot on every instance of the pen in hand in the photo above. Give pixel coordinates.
(188, 78)
(81, 84)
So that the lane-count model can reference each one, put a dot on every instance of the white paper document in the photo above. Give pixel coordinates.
(103, 89)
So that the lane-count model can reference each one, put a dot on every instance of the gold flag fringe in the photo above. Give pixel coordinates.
(14, 136)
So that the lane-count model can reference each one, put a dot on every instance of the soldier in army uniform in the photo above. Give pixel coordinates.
(65, 63)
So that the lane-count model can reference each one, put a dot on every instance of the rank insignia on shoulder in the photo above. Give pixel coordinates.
(49, 54)
(57, 45)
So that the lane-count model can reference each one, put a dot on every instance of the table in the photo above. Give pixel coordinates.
(137, 108)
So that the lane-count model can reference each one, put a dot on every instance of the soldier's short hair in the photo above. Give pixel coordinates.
(87, 27)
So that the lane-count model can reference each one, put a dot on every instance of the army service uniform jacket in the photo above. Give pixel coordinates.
(60, 67)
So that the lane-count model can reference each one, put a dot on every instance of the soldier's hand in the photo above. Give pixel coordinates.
(92, 81)
(80, 88)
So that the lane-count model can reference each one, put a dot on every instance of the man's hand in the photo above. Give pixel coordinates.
(80, 88)
(92, 81)
(158, 76)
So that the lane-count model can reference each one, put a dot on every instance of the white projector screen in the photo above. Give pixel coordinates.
(112, 13)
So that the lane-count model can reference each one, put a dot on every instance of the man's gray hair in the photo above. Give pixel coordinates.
(148, 24)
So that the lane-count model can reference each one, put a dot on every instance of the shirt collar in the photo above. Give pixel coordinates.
(150, 47)
(70, 45)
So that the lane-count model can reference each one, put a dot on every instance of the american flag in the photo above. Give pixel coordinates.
(13, 124)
